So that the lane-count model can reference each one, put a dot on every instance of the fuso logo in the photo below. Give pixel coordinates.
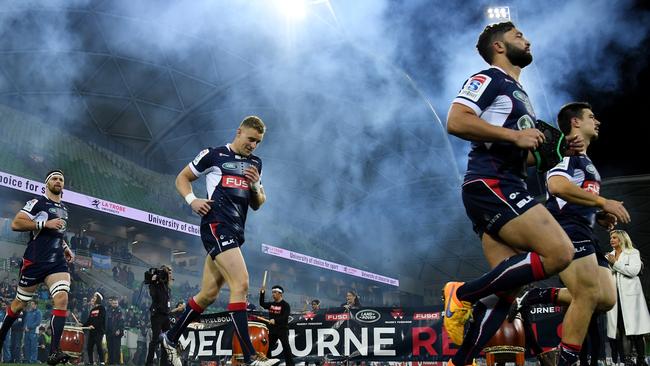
(591, 186)
(232, 181)
(335, 317)
(426, 316)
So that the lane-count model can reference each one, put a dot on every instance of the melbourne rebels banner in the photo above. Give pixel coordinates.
(381, 334)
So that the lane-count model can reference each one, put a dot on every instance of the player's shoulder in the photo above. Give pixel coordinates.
(208, 152)
(34, 202)
(489, 75)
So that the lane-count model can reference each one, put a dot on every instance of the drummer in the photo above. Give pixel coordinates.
(96, 321)
(279, 311)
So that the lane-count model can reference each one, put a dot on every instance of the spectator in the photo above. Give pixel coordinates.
(6, 347)
(130, 278)
(17, 332)
(114, 331)
(43, 344)
(629, 317)
(33, 318)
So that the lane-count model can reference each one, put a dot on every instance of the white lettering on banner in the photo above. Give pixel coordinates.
(204, 343)
(360, 345)
(328, 339)
(329, 344)
(379, 341)
(302, 258)
(94, 203)
(184, 342)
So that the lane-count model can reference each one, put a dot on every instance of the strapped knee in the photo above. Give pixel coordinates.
(59, 286)
(23, 295)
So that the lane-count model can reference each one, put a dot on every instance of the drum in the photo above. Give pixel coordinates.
(507, 345)
(259, 335)
(72, 341)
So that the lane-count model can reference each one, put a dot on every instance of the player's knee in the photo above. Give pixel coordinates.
(208, 296)
(558, 261)
(240, 287)
(606, 302)
(24, 296)
(60, 301)
(59, 293)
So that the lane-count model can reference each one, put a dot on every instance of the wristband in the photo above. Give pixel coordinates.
(40, 225)
(189, 198)
(65, 246)
(255, 187)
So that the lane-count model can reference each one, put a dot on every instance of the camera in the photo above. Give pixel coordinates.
(160, 274)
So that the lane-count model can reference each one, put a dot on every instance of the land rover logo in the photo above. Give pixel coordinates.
(368, 316)
(524, 99)
(229, 166)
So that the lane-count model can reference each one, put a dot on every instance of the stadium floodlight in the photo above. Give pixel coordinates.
(179, 252)
(498, 13)
(292, 9)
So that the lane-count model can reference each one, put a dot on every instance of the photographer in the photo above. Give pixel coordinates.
(159, 280)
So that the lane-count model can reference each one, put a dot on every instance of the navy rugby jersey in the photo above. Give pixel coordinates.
(227, 185)
(45, 245)
(500, 100)
(580, 171)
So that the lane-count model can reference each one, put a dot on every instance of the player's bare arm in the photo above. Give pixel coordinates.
(561, 187)
(184, 181)
(22, 222)
(258, 197)
(464, 123)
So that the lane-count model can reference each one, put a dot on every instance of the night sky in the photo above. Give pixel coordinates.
(623, 113)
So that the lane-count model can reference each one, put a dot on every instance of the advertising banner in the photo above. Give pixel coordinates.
(377, 334)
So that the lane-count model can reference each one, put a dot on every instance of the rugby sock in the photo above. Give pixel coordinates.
(6, 323)
(191, 313)
(516, 271)
(591, 344)
(240, 322)
(489, 313)
(531, 340)
(569, 354)
(56, 326)
(541, 296)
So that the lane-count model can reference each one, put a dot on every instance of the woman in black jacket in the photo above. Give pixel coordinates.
(96, 321)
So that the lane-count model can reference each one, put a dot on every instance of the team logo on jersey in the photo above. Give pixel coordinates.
(30, 205)
(591, 169)
(53, 210)
(525, 122)
(200, 156)
(475, 86)
(229, 166)
(522, 97)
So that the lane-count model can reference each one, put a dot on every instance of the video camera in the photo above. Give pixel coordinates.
(160, 273)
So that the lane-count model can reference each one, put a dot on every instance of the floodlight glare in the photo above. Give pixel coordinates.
(499, 13)
(292, 9)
